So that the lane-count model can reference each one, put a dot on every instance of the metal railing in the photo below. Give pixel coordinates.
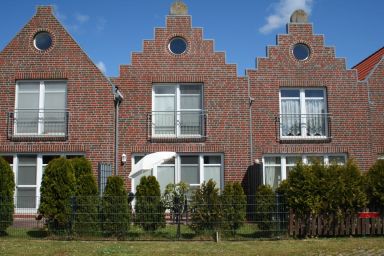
(94, 217)
(34, 123)
(303, 126)
(177, 124)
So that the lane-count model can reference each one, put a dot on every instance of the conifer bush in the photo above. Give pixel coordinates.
(206, 212)
(115, 208)
(149, 209)
(7, 189)
(265, 207)
(86, 197)
(375, 186)
(331, 192)
(57, 189)
(234, 204)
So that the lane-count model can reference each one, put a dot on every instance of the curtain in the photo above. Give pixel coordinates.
(315, 117)
(272, 176)
(290, 118)
(164, 115)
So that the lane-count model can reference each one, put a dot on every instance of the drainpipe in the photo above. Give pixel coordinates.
(250, 101)
(118, 98)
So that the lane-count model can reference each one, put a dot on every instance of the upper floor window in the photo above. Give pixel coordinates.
(303, 113)
(40, 108)
(177, 111)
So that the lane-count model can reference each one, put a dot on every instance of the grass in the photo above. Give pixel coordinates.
(336, 246)
(248, 231)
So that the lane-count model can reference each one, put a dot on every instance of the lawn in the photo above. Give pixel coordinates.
(336, 246)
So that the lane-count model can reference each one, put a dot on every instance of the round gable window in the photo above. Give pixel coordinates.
(301, 51)
(177, 45)
(42, 41)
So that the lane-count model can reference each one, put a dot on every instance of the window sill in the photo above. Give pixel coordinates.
(38, 137)
(177, 139)
(301, 139)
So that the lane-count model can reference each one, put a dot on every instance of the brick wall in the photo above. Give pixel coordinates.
(346, 97)
(376, 98)
(225, 97)
(89, 97)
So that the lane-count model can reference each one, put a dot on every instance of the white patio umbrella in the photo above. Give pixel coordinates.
(150, 161)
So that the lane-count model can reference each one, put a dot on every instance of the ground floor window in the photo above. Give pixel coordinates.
(193, 169)
(28, 170)
(276, 168)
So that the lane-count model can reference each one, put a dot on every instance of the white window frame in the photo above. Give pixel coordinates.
(41, 109)
(39, 176)
(305, 159)
(178, 168)
(303, 112)
(177, 110)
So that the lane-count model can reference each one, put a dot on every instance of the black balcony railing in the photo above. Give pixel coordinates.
(303, 126)
(177, 125)
(40, 124)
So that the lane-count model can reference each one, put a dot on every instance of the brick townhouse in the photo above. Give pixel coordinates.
(180, 96)
(54, 102)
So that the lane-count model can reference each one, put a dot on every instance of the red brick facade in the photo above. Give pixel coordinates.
(241, 113)
(225, 97)
(371, 71)
(89, 97)
(346, 98)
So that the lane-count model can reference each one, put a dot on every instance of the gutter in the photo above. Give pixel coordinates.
(118, 98)
(250, 101)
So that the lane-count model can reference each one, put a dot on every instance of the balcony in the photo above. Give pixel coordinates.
(33, 124)
(177, 125)
(305, 127)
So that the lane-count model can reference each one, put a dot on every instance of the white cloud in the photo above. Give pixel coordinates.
(282, 11)
(100, 24)
(60, 16)
(101, 66)
(82, 18)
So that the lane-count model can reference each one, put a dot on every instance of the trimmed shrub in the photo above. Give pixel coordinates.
(115, 208)
(331, 192)
(234, 204)
(375, 186)
(86, 195)
(299, 190)
(206, 213)
(57, 188)
(350, 196)
(7, 189)
(81, 166)
(265, 207)
(149, 209)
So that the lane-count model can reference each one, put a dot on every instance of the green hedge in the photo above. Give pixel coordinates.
(149, 208)
(206, 212)
(330, 191)
(115, 208)
(86, 195)
(57, 189)
(265, 207)
(234, 204)
(375, 186)
(7, 189)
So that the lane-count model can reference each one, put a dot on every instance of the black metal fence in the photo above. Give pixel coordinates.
(97, 218)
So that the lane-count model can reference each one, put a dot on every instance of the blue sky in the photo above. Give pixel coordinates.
(109, 31)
